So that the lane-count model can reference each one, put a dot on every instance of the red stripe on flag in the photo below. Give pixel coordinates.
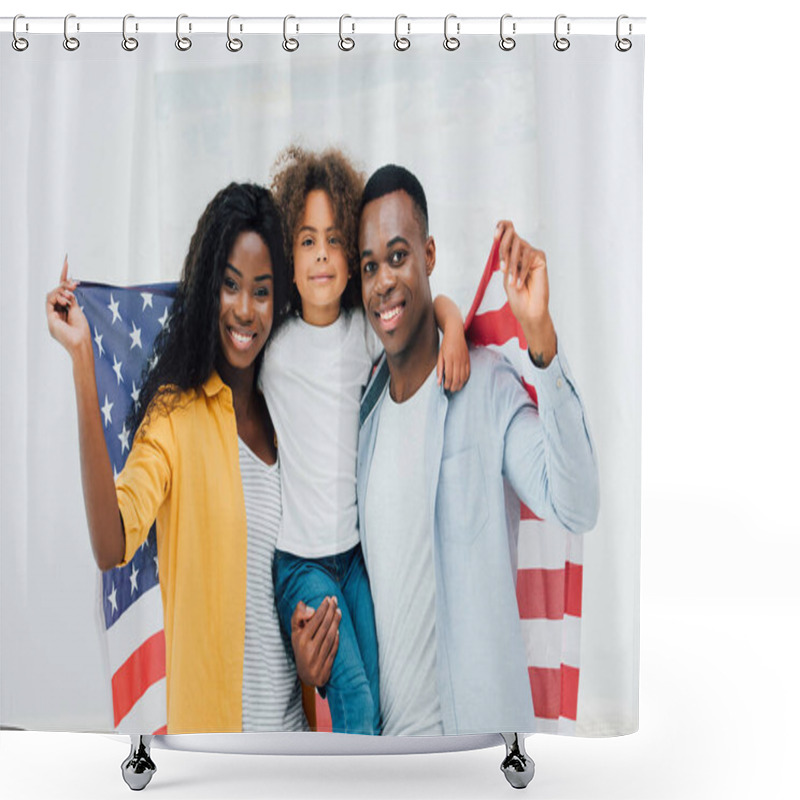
(546, 691)
(526, 513)
(540, 593)
(497, 328)
(492, 264)
(324, 722)
(555, 692)
(161, 731)
(145, 666)
(573, 590)
(569, 692)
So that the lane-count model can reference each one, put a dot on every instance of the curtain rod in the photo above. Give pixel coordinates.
(348, 25)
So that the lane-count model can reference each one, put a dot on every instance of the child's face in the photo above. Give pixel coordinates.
(320, 262)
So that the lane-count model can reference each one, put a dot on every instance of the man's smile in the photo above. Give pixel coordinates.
(389, 315)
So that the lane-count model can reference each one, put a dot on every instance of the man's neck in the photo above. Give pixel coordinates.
(410, 369)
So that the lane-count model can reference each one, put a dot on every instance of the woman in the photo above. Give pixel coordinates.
(203, 465)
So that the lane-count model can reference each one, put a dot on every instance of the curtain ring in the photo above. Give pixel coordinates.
(345, 42)
(128, 42)
(561, 43)
(70, 42)
(401, 42)
(507, 42)
(233, 44)
(451, 42)
(18, 43)
(623, 45)
(289, 44)
(183, 43)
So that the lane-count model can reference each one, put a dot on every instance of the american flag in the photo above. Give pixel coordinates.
(550, 559)
(124, 324)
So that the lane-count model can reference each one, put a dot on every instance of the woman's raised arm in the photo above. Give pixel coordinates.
(69, 327)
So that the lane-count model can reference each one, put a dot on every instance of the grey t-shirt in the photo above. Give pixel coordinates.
(271, 692)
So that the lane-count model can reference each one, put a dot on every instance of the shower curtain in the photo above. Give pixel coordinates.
(111, 156)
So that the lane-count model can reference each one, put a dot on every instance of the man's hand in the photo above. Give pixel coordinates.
(528, 292)
(315, 640)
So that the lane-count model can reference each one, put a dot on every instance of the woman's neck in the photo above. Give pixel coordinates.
(242, 385)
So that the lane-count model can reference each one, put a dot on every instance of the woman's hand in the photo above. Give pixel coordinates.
(315, 640)
(65, 320)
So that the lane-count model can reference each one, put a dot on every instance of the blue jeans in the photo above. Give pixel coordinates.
(352, 690)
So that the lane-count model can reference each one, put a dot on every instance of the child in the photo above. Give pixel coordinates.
(313, 376)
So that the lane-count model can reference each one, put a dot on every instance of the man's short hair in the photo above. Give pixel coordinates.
(392, 178)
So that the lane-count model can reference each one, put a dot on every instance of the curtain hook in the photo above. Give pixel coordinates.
(451, 42)
(18, 43)
(561, 43)
(129, 43)
(289, 44)
(233, 44)
(71, 43)
(623, 45)
(401, 42)
(182, 42)
(345, 42)
(507, 42)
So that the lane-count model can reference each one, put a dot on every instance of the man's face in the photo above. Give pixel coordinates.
(396, 261)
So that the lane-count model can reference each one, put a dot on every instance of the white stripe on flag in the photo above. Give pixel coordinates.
(149, 713)
(562, 725)
(545, 545)
(143, 619)
(552, 642)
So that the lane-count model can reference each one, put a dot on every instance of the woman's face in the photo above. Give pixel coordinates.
(320, 261)
(246, 300)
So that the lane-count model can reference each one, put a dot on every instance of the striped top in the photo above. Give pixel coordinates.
(271, 694)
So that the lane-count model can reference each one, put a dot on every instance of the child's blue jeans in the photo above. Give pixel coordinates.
(352, 690)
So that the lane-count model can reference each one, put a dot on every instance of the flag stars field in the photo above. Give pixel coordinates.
(135, 396)
(147, 300)
(106, 409)
(113, 307)
(133, 578)
(124, 438)
(112, 599)
(98, 340)
(136, 337)
(118, 370)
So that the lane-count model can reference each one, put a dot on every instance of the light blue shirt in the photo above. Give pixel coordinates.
(487, 447)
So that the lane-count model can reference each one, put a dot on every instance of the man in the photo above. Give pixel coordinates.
(439, 477)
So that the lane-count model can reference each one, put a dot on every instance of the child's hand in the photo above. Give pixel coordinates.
(452, 365)
(65, 320)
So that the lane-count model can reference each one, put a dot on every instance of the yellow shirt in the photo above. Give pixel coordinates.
(183, 473)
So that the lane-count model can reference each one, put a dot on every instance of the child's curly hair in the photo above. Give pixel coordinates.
(298, 172)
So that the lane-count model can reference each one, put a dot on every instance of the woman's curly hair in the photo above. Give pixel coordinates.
(188, 348)
(298, 172)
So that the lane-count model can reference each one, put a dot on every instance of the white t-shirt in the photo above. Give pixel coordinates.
(312, 378)
(399, 553)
